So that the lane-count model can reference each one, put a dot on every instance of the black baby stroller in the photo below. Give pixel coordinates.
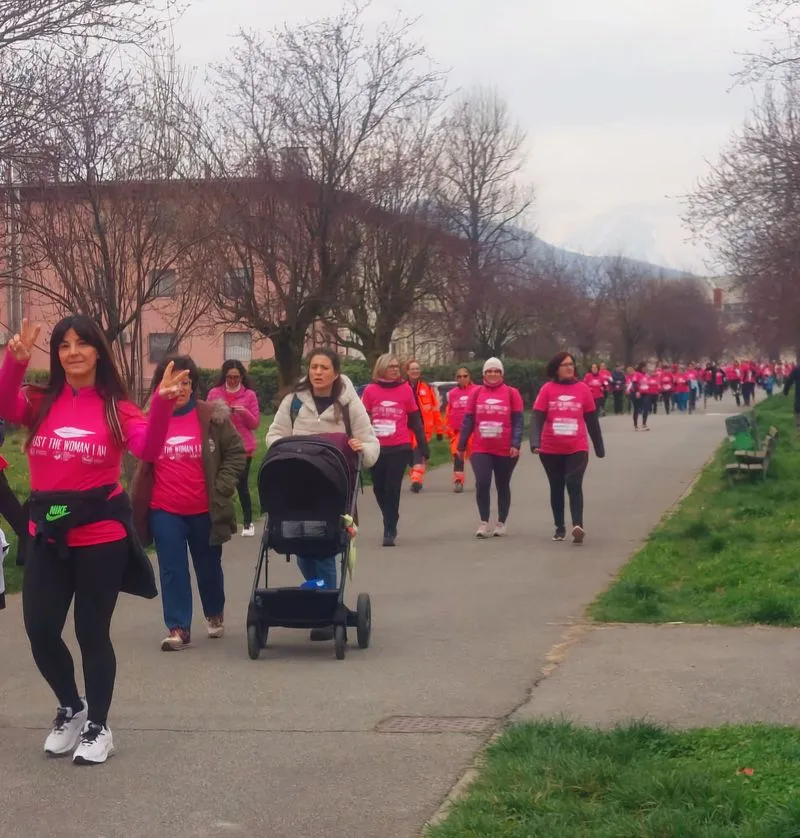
(307, 484)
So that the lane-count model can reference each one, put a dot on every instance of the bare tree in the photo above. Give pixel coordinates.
(405, 257)
(747, 209)
(627, 294)
(293, 116)
(681, 322)
(481, 198)
(107, 233)
(780, 20)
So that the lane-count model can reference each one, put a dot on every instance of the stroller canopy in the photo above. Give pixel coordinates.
(307, 477)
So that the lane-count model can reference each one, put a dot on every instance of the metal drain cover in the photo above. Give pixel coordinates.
(435, 724)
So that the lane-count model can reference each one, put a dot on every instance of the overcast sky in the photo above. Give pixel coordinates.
(623, 100)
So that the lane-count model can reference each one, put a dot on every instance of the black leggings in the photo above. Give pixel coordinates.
(641, 407)
(387, 483)
(483, 466)
(243, 487)
(565, 471)
(93, 576)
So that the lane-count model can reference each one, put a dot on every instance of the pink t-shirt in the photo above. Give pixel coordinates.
(179, 478)
(457, 404)
(492, 408)
(667, 382)
(74, 450)
(564, 430)
(389, 408)
(595, 383)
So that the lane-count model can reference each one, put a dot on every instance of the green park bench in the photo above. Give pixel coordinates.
(754, 460)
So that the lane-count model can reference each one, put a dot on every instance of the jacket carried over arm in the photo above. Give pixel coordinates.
(331, 421)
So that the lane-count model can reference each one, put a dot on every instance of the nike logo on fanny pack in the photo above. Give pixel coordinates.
(55, 513)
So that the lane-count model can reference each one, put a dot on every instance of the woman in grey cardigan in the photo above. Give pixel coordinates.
(325, 402)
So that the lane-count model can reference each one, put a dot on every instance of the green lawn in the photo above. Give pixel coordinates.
(554, 780)
(727, 555)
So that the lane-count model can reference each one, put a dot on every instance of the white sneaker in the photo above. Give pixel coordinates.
(249, 532)
(215, 627)
(483, 531)
(500, 530)
(96, 745)
(66, 732)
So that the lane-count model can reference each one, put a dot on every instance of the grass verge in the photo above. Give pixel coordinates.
(727, 555)
(554, 780)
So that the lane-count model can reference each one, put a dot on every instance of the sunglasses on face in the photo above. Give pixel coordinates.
(462, 376)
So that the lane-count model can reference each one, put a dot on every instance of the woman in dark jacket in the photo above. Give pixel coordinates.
(185, 500)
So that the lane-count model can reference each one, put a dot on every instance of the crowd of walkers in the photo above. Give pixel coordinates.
(82, 537)
(643, 389)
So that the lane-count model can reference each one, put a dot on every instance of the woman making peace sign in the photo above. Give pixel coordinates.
(79, 425)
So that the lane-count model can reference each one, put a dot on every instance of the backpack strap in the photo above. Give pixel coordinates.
(348, 428)
(294, 409)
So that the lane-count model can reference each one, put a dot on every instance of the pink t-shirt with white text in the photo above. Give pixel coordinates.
(73, 449)
(492, 408)
(179, 477)
(457, 403)
(564, 430)
(389, 408)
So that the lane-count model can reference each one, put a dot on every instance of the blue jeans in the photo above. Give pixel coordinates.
(324, 569)
(173, 534)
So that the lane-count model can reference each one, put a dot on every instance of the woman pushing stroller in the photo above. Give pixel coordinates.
(325, 402)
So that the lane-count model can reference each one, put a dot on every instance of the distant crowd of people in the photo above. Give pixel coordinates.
(641, 390)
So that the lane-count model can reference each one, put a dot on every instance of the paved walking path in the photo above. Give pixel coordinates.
(291, 746)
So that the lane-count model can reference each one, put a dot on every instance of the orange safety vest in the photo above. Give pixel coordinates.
(428, 403)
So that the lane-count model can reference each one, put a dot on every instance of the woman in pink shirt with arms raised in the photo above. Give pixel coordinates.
(82, 544)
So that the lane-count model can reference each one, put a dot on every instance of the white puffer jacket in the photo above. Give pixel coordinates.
(308, 421)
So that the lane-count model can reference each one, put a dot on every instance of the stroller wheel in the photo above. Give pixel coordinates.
(256, 640)
(340, 642)
(364, 616)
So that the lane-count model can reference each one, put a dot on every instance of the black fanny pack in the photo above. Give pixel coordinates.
(54, 514)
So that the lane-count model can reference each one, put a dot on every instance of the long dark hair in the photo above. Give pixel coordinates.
(108, 382)
(338, 384)
(233, 364)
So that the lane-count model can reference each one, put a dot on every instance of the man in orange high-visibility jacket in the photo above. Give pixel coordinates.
(428, 401)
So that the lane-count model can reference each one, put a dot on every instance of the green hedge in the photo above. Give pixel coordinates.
(526, 376)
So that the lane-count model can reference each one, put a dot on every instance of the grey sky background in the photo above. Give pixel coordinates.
(623, 100)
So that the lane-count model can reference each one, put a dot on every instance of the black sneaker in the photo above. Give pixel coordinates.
(560, 534)
(388, 540)
(416, 488)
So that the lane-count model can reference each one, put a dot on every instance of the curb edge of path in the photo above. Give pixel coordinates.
(554, 658)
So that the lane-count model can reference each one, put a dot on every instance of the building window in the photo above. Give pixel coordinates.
(239, 347)
(159, 345)
(164, 282)
(238, 283)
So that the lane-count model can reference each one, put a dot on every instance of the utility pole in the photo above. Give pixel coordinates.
(13, 255)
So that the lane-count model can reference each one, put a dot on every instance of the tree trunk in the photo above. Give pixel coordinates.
(288, 356)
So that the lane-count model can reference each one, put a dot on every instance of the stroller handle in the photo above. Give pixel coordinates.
(357, 485)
